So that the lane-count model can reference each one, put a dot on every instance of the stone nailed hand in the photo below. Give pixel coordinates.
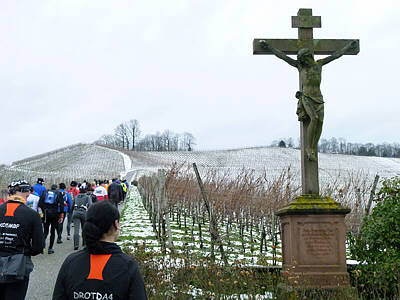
(264, 44)
(353, 44)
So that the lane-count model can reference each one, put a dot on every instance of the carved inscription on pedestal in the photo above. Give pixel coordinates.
(318, 244)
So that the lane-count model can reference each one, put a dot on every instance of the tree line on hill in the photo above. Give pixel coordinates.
(341, 146)
(127, 135)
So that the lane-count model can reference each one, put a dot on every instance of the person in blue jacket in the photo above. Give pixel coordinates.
(67, 208)
(38, 188)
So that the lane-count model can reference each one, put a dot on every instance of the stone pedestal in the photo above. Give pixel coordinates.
(313, 243)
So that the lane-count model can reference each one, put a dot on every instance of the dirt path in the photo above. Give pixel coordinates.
(44, 275)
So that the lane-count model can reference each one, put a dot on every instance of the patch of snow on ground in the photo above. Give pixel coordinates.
(136, 227)
(127, 163)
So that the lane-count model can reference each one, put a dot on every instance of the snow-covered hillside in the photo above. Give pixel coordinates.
(81, 161)
(88, 161)
(272, 160)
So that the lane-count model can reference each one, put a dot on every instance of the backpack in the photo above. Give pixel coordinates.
(81, 202)
(94, 198)
(50, 197)
(114, 192)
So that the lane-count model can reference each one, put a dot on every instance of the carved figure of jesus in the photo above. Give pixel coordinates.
(310, 105)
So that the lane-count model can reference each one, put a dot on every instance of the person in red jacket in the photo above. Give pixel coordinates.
(101, 270)
(21, 232)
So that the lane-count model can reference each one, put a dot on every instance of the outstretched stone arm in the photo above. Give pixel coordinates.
(338, 53)
(278, 53)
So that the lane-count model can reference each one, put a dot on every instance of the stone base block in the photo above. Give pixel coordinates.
(317, 280)
(313, 243)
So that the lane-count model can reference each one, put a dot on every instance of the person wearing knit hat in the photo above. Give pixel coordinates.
(21, 233)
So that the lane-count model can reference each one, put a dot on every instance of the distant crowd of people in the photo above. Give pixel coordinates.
(58, 203)
(32, 212)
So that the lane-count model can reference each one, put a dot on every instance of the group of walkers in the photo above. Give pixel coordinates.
(57, 204)
(99, 271)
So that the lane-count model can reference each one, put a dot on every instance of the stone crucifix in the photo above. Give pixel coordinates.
(310, 107)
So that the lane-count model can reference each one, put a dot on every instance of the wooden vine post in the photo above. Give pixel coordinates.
(213, 221)
(372, 195)
(164, 207)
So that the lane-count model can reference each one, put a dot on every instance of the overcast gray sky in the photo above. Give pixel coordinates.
(72, 70)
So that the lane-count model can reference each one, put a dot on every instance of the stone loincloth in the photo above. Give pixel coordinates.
(314, 104)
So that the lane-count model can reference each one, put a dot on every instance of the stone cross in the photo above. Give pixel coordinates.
(305, 22)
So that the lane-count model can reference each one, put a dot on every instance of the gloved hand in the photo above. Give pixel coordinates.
(41, 214)
(61, 219)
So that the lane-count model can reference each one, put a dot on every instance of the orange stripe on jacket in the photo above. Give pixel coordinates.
(97, 264)
(11, 207)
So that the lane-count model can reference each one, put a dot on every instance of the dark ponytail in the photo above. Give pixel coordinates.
(99, 219)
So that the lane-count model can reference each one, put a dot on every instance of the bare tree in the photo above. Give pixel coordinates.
(188, 141)
(121, 133)
(107, 139)
(144, 144)
(158, 142)
(175, 142)
(342, 145)
(134, 132)
(166, 140)
(289, 142)
(126, 135)
(169, 141)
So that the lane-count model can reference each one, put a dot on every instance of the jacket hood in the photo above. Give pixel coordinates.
(17, 198)
(109, 248)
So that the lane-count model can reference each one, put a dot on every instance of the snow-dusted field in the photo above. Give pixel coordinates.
(272, 160)
(136, 229)
(88, 161)
(76, 162)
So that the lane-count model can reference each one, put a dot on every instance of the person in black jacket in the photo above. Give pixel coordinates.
(115, 192)
(101, 270)
(20, 232)
(52, 205)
